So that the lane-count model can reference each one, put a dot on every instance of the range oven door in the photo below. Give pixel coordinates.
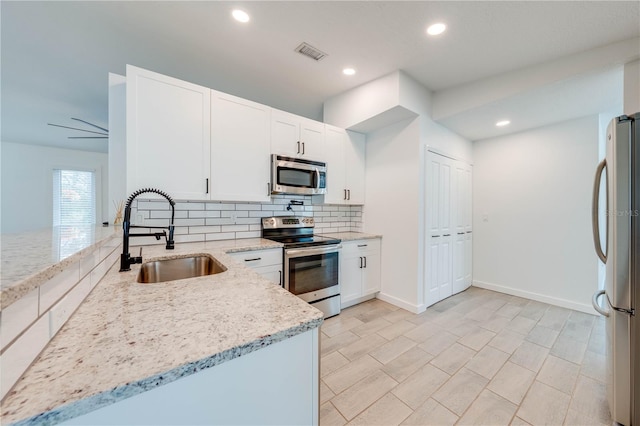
(312, 273)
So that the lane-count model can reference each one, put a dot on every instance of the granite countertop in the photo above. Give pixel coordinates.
(351, 236)
(127, 338)
(29, 259)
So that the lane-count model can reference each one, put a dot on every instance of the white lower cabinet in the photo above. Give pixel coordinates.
(359, 270)
(278, 384)
(267, 263)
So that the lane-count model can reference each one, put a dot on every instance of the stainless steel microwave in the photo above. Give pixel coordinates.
(297, 176)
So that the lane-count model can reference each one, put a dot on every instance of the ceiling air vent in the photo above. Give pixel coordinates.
(310, 51)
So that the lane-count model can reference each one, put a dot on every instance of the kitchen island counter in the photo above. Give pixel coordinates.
(128, 338)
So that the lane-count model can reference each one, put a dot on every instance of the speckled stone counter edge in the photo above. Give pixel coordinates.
(119, 393)
(350, 236)
(21, 288)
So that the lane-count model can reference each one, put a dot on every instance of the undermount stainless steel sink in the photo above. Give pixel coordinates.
(178, 269)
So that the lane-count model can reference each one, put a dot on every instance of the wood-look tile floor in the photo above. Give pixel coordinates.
(477, 358)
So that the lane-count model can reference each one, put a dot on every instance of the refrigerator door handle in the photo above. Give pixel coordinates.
(595, 215)
(596, 305)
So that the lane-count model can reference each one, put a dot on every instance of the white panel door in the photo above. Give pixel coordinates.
(445, 268)
(168, 134)
(459, 263)
(439, 236)
(240, 147)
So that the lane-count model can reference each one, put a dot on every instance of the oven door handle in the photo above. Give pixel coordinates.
(290, 253)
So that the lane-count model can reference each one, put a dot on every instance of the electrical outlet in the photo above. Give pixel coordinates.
(234, 217)
(485, 217)
(139, 219)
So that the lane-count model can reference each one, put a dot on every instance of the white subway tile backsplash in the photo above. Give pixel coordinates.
(198, 221)
(221, 236)
(166, 214)
(17, 357)
(220, 206)
(152, 205)
(202, 229)
(234, 228)
(188, 222)
(61, 311)
(219, 221)
(249, 234)
(261, 213)
(249, 221)
(17, 317)
(191, 238)
(189, 206)
(57, 286)
(234, 213)
(252, 206)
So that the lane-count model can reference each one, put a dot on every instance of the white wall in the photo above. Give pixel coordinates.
(632, 87)
(392, 207)
(532, 213)
(27, 183)
(395, 111)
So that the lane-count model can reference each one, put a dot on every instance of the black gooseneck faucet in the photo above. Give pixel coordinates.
(125, 258)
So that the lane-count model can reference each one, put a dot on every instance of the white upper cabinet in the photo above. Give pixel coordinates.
(295, 136)
(345, 157)
(240, 146)
(168, 134)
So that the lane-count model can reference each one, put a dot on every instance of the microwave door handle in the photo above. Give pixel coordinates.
(317, 179)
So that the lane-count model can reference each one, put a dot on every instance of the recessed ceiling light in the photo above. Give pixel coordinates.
(348, 71)
(240, 15)
(436, 29)
(502, 123)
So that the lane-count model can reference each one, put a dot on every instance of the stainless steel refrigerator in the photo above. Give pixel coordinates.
(619, 249)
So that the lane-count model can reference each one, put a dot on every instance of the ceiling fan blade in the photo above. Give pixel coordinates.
(88, 137)
(75, 128)
(91, 124)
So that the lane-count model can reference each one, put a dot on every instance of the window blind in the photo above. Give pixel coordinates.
(74, 198)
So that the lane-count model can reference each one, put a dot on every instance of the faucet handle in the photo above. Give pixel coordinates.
(140, 252)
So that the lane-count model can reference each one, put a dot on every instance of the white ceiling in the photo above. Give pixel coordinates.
(56, 55)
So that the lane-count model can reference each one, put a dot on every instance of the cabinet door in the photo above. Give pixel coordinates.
(354, 160)
(312, 139)
(285, 134)
(336, 140)
(168, 135)
(350, 278)
(273, 273)
(371, 280)
(240, 147)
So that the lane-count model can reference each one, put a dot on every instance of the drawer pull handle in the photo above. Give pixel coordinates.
(251, 260)
(362, 245)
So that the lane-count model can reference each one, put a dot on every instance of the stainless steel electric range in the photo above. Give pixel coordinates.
(311, 262)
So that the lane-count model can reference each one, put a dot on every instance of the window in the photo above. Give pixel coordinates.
(74, 197)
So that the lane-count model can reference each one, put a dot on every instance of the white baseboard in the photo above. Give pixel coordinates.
(416, 309)
(563, 303)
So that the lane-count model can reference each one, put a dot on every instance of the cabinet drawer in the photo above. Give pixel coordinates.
(359, 247)
(258, 258)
